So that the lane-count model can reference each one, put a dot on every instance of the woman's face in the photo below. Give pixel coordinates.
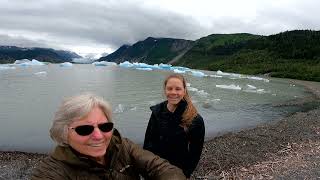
(174, 91)
(94, 144)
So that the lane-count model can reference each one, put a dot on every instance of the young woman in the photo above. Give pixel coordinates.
(175, 130)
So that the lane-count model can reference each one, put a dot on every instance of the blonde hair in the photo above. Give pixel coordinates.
(191, 112)
(73, 109)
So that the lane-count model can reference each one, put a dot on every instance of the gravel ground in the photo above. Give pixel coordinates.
(287, 148)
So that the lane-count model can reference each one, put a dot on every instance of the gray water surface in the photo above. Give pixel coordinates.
(28, 101)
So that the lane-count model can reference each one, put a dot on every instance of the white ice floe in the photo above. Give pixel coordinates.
(192, 89)
(179, 71)
(119, 109)
(188, 84)
(26, 62)
(104, 63)
(180, 68)
(198, 74)
(232, 86)
(215, 76)
(133, 109)
(258, 91)
(258, 78)
(66, 64)
(222, 73)
(202, 93)
(20, 61)
(251, 87)
(126, 64)
(41, 73)
(144, 69)
(165, 66)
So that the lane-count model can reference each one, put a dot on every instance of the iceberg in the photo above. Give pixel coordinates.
(202, 93)
(21, 61)
(198, 74)
(258, 78)
(66, 64)
(41, 73)
(104, 63)
(178, 71)
(251, 87)
(119, 109)
(144, 69)
(165, 66)
(126, 64)
(26, 62)
(192, 89)
(232, 86)
(222, 73)
(215, 76)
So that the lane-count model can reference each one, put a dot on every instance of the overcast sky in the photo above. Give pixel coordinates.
(102, 26)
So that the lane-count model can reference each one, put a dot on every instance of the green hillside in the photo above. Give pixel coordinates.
(291, 54)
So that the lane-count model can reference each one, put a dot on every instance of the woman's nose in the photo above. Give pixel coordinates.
(97, 134)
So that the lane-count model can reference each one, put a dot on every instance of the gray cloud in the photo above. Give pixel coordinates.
(112, 23)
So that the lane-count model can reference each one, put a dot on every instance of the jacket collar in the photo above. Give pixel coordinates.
(162, 110)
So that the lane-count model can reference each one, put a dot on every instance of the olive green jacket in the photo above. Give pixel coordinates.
(125, 160)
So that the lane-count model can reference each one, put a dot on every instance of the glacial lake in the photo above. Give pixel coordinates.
(29, 97)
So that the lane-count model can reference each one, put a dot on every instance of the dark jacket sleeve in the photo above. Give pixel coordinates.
(196, 139)
(151, 135)
(152, 166)
(50, 169)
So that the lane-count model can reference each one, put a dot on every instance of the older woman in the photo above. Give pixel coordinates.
(90, 148)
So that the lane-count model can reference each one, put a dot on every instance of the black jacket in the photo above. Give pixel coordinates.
(166, 138)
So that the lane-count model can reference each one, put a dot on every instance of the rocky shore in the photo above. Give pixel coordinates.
(286, 148)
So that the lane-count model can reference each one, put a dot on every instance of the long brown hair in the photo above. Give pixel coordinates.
(191, 112)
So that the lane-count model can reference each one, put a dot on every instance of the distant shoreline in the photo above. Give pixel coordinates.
(19, 165)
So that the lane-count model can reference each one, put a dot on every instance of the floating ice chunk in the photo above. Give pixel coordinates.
(21, 61)
(192, 89)
(6, 67)
(215, 76)
(232, 86)
(144, 69)
(133, 109)
(198, 74)
(188, 84)
(258, 91)
(165, 66)
(206, 105)
(66, 64)
(126, 64)
(104, 63)
(180, 68)
(258, 78)
(222, 73)
(179, 71)
(119, 109)
(202, 93)
(251, 87)
(41, 73)
(26, 62)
